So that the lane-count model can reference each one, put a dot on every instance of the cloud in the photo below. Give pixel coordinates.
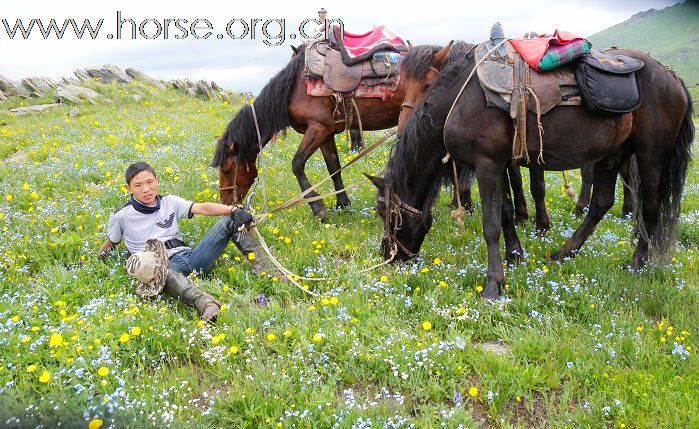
(248, 64)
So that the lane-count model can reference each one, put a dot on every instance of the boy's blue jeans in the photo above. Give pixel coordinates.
(202, 257)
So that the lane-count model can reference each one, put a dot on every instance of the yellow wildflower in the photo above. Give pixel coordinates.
(95, 424)
(45, 377)
(473, 391)
(103, 371)
(426, 325)
(56, 340)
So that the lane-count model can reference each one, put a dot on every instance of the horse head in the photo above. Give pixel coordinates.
(405, 227)
(235, 176)
(418, 71)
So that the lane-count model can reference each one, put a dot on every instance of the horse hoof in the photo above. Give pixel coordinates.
(637, 263)
(320, 213)
(491, 292)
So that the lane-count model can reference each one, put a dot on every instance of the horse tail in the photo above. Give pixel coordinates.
(672, 185)
(221, 152)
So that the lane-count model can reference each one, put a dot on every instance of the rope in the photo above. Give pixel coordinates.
(300, 198)
(460, 211)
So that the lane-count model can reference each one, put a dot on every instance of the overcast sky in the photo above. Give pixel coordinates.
(247, 64)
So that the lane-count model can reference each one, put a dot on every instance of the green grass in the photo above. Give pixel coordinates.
(669, 35)
(588, 340)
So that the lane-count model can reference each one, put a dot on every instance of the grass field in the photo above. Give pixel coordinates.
(584, 343)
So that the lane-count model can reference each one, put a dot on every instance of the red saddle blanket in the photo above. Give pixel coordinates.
(368, 88)
(532, 50)
(359, 47)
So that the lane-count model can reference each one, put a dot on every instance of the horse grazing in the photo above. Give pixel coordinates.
(283, 103)
(419, 70)
(658, 134)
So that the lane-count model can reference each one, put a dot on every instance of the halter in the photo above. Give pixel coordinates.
(234, 187)
(393, 220)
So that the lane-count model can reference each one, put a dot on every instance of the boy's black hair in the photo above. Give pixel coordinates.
(136, 168)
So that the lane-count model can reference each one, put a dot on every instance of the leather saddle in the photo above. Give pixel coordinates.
(324, 62)
(501, 74)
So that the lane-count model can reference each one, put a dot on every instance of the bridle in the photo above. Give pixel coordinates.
(408, 105)
(393, 219)
(233, 187)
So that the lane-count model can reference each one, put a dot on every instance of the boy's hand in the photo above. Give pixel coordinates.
(241, 217)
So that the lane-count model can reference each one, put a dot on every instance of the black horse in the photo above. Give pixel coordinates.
(656, 138)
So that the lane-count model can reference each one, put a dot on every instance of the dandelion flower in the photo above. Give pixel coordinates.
(271, 337)
(95, 424)
(31, 368)
(103, 371)
(334, 300)
(426, 325)
(124, 338)
(473, 392)
(56, 340)
(233, 350)
(135, 331)
(45, 377)
(251, 256)
(287, 333)
(437, 261)
(317, 337)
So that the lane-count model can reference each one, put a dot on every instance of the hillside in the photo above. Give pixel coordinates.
(670, 35)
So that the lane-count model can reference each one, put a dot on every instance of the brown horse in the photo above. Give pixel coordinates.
(656, 138)
(283, 103)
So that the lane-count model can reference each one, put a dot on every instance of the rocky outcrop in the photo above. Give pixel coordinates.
(38, 86)
(30, 109)
(75, 93)
(108, 73)
(201, 88)
(71, 88)
(137, 75)
(11, 88)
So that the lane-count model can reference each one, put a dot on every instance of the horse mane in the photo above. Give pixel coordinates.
(419, 59)
(415, 161)
(271, 108)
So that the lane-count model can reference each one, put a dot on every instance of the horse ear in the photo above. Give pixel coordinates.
(295, 49)
(410, 45)
(441, 56)
(379, 182)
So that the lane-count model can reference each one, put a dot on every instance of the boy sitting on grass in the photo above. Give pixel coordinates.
(160, 260)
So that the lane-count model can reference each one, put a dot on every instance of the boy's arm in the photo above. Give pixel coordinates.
(105, 249)
(239, 216)
(212, 209)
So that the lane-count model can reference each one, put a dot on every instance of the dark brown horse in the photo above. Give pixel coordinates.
(283, 103)
(421, 68)
(656, 138)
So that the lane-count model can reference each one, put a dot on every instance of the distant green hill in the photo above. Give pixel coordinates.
(670, 35)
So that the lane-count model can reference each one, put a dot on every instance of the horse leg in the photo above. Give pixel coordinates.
(538, 190)
(298, 164)
(586, 172)
(649, 172)
(357, 143)
(513, 247)
(604, 183)
(465, 177)
(332, 161)
(520, 203)
(627, 207)
(490, 184)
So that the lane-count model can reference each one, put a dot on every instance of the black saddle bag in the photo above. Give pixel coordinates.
(608, 83)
